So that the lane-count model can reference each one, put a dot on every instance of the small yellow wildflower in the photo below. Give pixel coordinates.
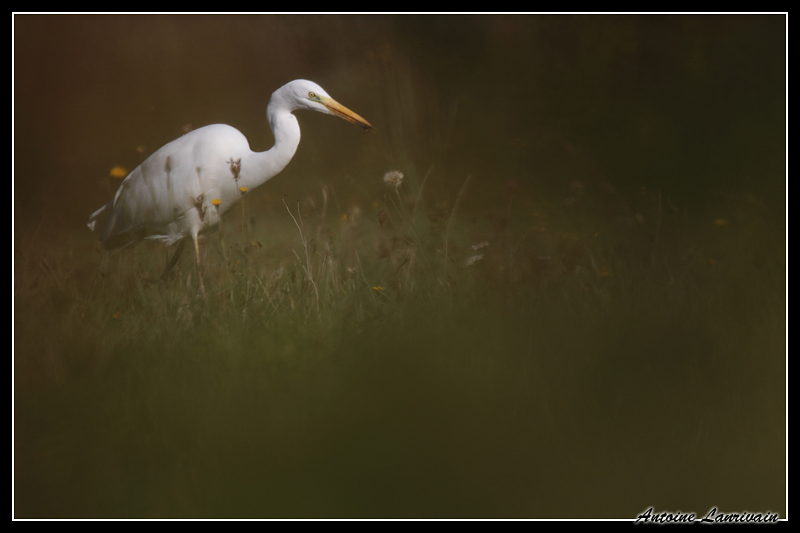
(117, 314)
(344, 217)
(243, 190)
(216, 202)
(378, 289)
(118, 172)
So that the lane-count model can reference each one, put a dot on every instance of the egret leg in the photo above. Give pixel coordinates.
(174, 259)
(199, 267)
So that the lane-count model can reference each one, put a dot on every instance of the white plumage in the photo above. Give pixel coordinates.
(184, 187)
(170, 195)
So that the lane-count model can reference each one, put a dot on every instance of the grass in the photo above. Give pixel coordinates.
(600, 357)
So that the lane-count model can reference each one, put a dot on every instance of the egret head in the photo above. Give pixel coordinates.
(305, 94)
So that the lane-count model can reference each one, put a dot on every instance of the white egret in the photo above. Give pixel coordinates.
(184, 188)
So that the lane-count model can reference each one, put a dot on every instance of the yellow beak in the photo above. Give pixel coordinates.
(341, 111)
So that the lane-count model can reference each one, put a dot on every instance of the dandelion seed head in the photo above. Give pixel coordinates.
(353, 214)
(393, 178)
(472, 260)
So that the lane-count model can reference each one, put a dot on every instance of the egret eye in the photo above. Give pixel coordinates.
(311, 94)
